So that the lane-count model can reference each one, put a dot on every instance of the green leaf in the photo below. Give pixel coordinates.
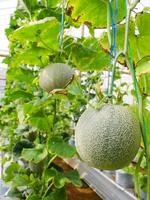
(27, 5)
(20, 94)
(144, 82)
(10, 171)
(74, 178)
(52, 3)
(57, 194)
(33, 197)
(143, 67)
(33, 56)
(21, 75)
(49, 174)
(21, 180)
(143, 47)
(93, 12)
(44, 32)
(147, 124)
(35, 154)
(14, 192)
(59, 147)
(146, 113)
(41, 123)
(75, 88)
(142, 20)
(35, 106)
(88, 55)
(58, 178)
(32, 110)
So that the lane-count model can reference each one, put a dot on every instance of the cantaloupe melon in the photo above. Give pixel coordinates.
(55, 76)
(108, 138)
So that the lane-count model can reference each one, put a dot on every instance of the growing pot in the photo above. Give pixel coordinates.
(124, 179)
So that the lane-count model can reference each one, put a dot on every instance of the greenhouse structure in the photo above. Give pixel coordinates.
(74, 100)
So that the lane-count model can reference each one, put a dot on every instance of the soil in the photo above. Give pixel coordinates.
(83, 193)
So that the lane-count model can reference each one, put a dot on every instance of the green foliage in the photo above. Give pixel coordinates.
(27, 5)
(34, 154)
(11, 170)
(34, 43)
(144, 83)
(92, 13)
(140, 49)
(56, 195)
(59, 147)
(44, 32)
(22, 144)
(143, 66)
(89, 47)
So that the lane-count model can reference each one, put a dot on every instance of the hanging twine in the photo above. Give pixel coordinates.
(113, 45)
(62, 26)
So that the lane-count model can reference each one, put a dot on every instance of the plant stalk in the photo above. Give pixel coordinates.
(139, 98)
(148, 177)
(127, 30)
(113, 73)
(136, 177)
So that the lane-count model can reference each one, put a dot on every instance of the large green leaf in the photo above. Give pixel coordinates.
(27, 5)
(75, 88)
(143, 46)
(33, 108)
(143, 39)
(93, 12)
(143, 67)
(74, 178)
(88, 55)
(142, 21)
(20, 75)
(33, 56)
(10, 171)
(146, 113)
(20, 94)
(41, 122)
(59, 147)
(61, 179)
(21, 180)
(44, 32)
(35, 154)
(57, 194)
(58, 178)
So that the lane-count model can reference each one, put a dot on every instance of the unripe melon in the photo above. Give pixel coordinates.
(108, 138)
(55, 76)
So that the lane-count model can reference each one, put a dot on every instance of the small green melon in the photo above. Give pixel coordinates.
(108, 138)
(55, 76)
